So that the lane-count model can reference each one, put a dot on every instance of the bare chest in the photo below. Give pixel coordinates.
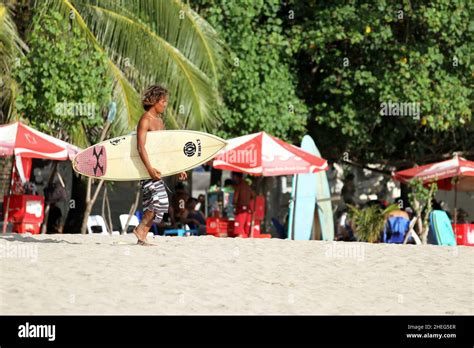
(155, 125)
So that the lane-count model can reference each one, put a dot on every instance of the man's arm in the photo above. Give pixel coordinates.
(142, 130)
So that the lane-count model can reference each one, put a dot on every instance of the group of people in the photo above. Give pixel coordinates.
(184, 211)
(187, 211)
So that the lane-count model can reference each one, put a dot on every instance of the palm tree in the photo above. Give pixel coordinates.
(11, 48)
(152, 41)
(147, 42)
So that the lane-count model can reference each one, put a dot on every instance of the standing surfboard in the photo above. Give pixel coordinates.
(325, 222)
(169, 151)
(441, 230)
(304, 199)
(291, 209)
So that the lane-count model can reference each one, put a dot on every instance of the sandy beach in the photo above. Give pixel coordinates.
(84, 274)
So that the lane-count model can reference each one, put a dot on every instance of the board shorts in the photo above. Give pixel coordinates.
(242, 221)
(155, 198)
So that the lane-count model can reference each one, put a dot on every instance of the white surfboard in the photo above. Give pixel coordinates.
(169, 151)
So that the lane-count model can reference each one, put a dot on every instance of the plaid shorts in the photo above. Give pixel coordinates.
(155, 198)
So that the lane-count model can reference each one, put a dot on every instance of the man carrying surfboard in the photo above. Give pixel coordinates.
(155, 198)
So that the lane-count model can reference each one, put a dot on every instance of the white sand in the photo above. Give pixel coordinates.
(75, 274)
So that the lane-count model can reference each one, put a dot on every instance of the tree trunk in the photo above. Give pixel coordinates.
(74, 214)
(106, 210)
(90, 202)
(133, 208)
(6, 208)
(109, 214)
(87, 212)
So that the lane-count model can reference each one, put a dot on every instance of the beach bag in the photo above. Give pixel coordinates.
(395, 229)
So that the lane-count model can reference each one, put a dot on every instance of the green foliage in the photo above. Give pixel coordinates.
(259, 91)
(354, 56)
(63, 80)
(420, 198)
(421, 194)
(369, 221)
(11, 48)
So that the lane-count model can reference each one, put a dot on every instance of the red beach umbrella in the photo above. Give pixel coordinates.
(19, 139)
(442, 173)
(263, 154)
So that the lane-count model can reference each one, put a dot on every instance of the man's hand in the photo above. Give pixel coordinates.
(183, 176)
(155, 174)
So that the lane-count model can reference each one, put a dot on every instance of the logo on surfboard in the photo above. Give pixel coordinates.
(117, 141)
(189, 149)
(97, 156)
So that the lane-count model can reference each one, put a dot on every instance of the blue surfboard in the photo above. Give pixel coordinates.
(324, 224)
(302, 206)
(441, 231)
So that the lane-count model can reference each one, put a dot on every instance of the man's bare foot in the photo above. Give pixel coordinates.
(144, 234)
(141, 238)
(144, 243)
(137, 234)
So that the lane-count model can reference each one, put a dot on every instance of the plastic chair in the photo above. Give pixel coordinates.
(96, 221)
(411, 234)
(131, 225)
(395, 229)
(181, 232)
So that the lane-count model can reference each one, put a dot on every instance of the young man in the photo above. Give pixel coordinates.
(155, 198)
(243, 195)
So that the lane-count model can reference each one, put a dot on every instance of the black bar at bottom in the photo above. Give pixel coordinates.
(330, 330)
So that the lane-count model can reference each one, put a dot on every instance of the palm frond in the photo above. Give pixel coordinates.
(123, 31)
(11, 48)
(194, 37)
(129, 108)
(153, 41)
(369, 221)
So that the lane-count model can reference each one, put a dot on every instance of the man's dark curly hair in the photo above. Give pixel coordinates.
(152, 95)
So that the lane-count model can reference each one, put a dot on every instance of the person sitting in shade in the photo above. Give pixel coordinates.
(193, 218)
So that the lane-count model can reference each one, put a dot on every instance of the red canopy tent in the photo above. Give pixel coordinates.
(263, 154)
(19, 139)
(25, 143)
(443, 173)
